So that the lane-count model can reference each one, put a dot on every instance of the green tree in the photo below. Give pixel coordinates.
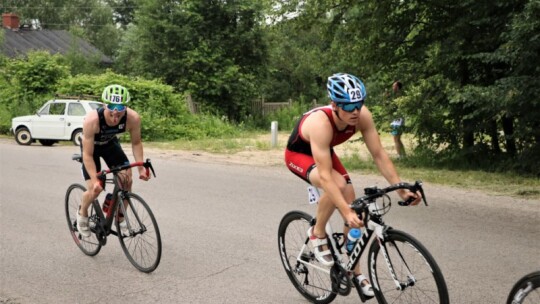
(296, 62)
(25, 82)
(123, 11)
(462, 63)
(211, 49)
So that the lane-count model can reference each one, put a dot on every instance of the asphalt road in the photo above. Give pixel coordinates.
(219, 225)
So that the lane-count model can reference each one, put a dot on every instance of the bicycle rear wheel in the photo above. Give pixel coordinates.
(526, 290)
(303, 269)
(89, 245)
(142, 244)
(419, 276)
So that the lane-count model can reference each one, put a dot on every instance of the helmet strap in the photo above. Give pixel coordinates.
(336, 110)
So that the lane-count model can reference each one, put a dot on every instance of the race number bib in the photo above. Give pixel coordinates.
(115, 98)
(355, 95)
(313, 195)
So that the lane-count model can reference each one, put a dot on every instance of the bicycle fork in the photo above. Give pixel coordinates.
(380, 233)
(123, 210)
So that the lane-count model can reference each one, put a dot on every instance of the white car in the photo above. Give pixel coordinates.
(58, 119)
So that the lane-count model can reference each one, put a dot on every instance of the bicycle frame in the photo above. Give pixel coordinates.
(106, 220)
(374, 229)
(104, 223)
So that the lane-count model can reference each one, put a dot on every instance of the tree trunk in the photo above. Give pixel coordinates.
(494, 137)
(468, 135)
(508, 128)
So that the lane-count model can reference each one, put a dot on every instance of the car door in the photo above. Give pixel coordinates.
(74, 118)
(51, 122)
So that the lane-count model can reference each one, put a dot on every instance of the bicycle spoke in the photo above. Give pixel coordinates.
(90, 245)
(314, 284)
(141, 246)
(418, 275)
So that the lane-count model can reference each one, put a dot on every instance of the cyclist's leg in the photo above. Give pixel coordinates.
(114, 156)
(397, 131)
(303, 165)
(89, 195)
(348, 193)
(326, 206)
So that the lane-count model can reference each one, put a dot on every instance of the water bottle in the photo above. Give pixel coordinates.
(107, 202)
(352, 237)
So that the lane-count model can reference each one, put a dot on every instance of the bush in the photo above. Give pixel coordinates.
(163, 112)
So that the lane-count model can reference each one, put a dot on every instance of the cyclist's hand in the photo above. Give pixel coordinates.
(351, 219)
(406, 194)
(144, 174)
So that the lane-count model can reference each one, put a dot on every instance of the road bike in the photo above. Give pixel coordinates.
(526, 290)
(401, 269)
(135, 224)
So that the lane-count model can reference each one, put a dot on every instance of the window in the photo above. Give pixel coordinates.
(45, 111)
(95, 105)
(76, 109)
(57, 108)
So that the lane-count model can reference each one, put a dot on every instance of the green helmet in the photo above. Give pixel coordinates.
(116, 94)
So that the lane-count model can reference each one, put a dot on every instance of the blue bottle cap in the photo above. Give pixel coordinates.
(354, 233)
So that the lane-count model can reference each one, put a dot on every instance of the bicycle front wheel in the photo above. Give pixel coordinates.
(419, 278)
(526, 290)
(140, 240)
(309, 277)
(89, 245)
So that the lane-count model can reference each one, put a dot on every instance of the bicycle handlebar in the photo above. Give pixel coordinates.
(147, 165)
(373, 193)
(103, 173)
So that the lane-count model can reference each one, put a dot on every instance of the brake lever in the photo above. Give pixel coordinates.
(148, 164)
(421, 189)
(416, 187)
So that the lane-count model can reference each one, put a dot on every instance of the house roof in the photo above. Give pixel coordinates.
(22, 41)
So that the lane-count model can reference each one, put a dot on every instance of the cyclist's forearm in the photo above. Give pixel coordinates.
(138, 151)
(90, 167)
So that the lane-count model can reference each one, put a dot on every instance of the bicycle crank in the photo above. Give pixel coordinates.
(340, 280)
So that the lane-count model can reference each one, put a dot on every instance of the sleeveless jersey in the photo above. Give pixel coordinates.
(298, 144)
(107, 133)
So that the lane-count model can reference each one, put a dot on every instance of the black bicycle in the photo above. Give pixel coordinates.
(526, 290)
(135, 224)
(401, 269)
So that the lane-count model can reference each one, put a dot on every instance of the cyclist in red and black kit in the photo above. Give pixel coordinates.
(99, 140)
(310, 155)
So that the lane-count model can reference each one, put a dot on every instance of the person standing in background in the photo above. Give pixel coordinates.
(399, 121)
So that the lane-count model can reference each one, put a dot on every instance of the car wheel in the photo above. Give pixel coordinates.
(47, 142)
(77, 137)
(23, 137)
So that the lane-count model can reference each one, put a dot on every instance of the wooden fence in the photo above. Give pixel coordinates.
(258, 106)
(264, 108)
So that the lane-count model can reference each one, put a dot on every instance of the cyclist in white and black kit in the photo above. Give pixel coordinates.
(99, 140)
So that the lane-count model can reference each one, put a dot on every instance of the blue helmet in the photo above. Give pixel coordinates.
(345, 88)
